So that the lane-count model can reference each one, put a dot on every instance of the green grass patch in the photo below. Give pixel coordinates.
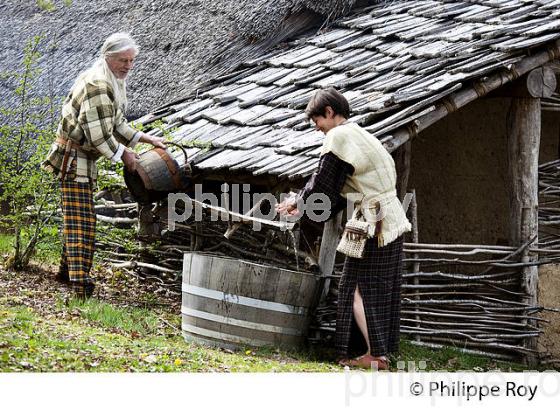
(29, 342)
(95, 336)
(107, 316)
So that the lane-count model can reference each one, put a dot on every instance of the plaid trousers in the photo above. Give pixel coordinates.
(79, 230)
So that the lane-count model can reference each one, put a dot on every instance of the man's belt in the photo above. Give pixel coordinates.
(68, 147)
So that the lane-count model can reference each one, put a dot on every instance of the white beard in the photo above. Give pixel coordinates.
(100, 70)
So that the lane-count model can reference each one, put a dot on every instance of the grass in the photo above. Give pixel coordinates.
(135, 320)
(96, 336)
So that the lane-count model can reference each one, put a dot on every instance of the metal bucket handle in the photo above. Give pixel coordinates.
(181, 148)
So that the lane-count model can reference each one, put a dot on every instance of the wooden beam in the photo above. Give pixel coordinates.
(524, 131)
(327, 253)
(538, 83)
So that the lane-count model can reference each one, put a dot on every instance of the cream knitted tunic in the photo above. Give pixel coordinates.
(374, 178)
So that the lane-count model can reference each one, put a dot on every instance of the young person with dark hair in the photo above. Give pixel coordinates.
(355, 166)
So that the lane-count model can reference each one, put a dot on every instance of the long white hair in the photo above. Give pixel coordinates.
(114, 44)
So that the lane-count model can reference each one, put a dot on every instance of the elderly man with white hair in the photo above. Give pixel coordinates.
(92, 126)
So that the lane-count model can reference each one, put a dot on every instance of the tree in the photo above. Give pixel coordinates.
(26, 134)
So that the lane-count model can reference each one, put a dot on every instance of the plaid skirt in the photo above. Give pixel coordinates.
(378, 277)
(78, 230)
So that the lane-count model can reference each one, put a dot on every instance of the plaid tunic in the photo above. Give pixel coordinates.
(377, 274)
(91, 119)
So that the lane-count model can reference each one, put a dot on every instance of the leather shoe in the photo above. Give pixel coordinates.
(366, 361)
(83, 291)
(62, 276)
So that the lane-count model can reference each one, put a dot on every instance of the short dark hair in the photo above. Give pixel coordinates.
(329, 97)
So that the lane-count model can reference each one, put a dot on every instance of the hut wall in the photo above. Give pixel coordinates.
(549, 296)
(459, 171)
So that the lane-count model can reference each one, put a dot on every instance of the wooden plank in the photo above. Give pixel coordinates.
(303, 169)
(332, 36)
(263, 73)
(238, 217)
(351, 59)
(255, 157)
(327, 253)
(293, 56)
(285, 100)
(255, 94)
(315, 59)
(291, 77)
(278, 167)
(266, 97)
(273, 116)
(247, 115)
(290, 122)
(214, 134)
(251, 140)
(236, 134)
(234, 92)
(192, 108)
(277, 160)
(218, 113)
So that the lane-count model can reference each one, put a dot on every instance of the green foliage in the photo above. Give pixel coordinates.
(47, 5)
(25, 138)
(110, 175)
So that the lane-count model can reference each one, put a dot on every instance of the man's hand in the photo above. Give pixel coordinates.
(129, 159)
(157, 142)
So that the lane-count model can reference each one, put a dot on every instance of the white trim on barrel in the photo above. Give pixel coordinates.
(198, 331)
(241, 323)
(243, 300)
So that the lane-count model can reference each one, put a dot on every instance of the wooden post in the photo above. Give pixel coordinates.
(415, 265)
(524, 131)
(402, 164)
(146, 224)
(327, 253)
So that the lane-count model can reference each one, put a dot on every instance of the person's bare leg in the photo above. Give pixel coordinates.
(360, 316)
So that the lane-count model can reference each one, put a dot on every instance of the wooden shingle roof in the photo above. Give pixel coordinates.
(392, 61)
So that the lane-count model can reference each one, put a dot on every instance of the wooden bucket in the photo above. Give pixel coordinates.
(233, 303)
(157, 174)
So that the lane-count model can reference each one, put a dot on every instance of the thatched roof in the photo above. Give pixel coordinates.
(397, 63)
(182, 42)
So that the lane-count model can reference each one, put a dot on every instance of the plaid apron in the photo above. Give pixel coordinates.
(79, 230)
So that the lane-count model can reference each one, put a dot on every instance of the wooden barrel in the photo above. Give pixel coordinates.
(232, 303)
(157, 174)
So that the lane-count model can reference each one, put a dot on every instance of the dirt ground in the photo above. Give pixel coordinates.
(549, 297)
(38, 289)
